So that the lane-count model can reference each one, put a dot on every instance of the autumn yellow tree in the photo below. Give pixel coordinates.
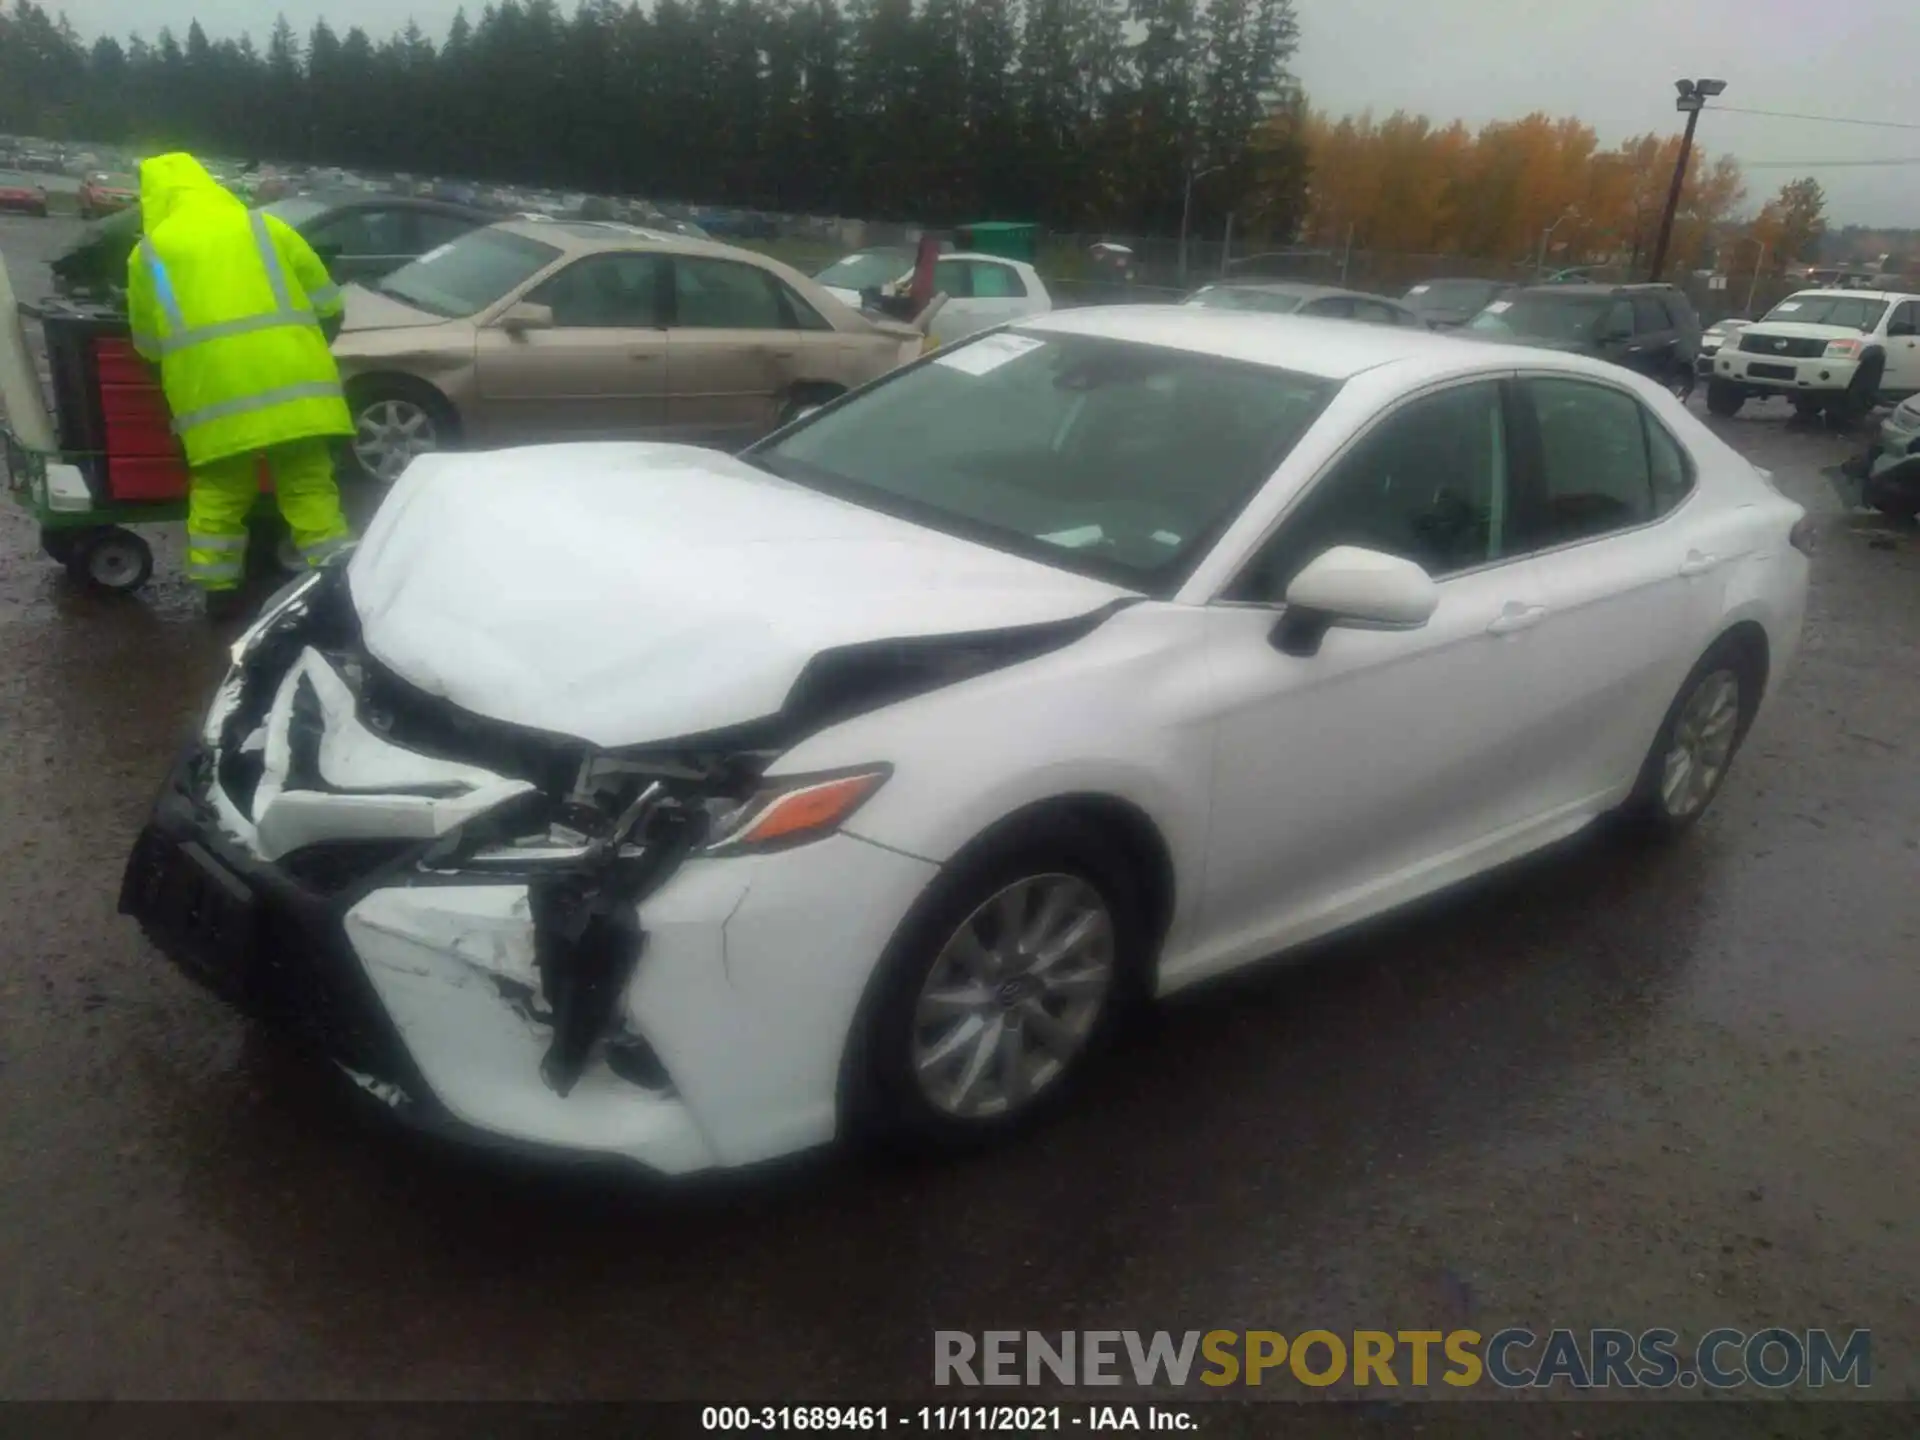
(1530, 192)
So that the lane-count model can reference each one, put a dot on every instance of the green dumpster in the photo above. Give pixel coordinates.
(1010, 239)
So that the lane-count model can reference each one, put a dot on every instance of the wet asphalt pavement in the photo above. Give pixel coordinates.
(1609, 1088)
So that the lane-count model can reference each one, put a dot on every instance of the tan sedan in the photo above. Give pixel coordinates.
(543, 331)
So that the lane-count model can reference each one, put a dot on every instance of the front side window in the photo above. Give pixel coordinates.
(467, 275)
(1336, 307)
(1113, 459)
(953, 278)
(1430, 483)
(996, 282)
(725, 295)
(605, 292)
(1596, 466)
(360, 234)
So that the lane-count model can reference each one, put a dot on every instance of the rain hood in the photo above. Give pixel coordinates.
(626, 594)
(172, 183)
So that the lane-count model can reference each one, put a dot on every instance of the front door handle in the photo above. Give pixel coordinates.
(1697, 563)
(645, 357)
(1515, 617)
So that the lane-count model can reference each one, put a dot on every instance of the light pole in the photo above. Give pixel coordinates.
(1186, 210)
(1694, 95)
(1546, 236)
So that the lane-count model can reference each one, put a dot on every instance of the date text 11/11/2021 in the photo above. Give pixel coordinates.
(938, 1418)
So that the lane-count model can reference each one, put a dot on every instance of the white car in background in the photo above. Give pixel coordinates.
(714, 807)
(1838, 350)
(982, 290)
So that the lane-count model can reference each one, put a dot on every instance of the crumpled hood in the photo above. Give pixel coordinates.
(631, 593)
(172, 183)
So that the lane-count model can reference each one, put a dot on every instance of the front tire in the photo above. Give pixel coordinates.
(1007, 979)
(1697, 741)
(396, 421)
(1725, 399)
(1862, 394)
(111, 559)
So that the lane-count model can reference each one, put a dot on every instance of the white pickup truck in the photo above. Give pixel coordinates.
(1838, 350)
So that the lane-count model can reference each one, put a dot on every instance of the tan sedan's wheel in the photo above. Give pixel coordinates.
(389, 431)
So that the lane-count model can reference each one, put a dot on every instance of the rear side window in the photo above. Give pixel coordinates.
(997, 282)
(1605, 464)
(1337, 307)
(1649, 315)
(1679, 311)
(725, 295)
(953, 278)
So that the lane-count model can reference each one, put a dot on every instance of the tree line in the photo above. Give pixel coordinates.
(1081, 114)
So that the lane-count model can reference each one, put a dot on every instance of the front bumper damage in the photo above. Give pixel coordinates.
(504, 934)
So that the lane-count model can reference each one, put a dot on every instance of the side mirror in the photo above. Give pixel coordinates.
(1351, 586)
(525, 316)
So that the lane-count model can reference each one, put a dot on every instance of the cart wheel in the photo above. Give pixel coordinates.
(59, 545)
(112, 559)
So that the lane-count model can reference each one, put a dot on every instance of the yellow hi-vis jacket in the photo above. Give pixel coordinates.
(229, 302)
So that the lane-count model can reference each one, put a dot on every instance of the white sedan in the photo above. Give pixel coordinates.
(641, 800)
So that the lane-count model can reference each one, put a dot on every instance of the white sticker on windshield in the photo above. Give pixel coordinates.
(1499, 307)
(1077, 539)
(1165, 537)
(435, 253)
(987, 355)
(1786, 305)
(1419, 290)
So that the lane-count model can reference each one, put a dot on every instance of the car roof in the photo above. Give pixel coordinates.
(1598, 287)
(1306, 289)
(1329, 349)
(588, 237)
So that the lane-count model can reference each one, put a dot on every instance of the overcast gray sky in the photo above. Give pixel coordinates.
(1610, 63)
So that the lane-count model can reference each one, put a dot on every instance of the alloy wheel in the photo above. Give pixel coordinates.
(1013, 997)
(388, 434)
(1702, 744)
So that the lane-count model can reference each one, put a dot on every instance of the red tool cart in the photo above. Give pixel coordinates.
(114, 462)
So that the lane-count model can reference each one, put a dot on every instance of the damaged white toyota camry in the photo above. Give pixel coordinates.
(639, 800)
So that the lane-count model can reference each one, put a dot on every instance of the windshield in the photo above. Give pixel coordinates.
(1452, 294)
(295, 210)
(866, 269)
(465, 276)
(1117, 460)
(1544, 317)
(1244, 297)
(1813, 308)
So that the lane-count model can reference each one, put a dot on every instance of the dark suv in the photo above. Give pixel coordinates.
(1649, 328)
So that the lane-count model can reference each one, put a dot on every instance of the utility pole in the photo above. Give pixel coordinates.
(1754, 284)
(1186, 211)
(1693, 99)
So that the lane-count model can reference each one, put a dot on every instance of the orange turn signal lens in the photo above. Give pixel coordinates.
(806, 810)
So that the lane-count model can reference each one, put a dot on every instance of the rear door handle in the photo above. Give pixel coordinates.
(1698, 564)
(1515, 617)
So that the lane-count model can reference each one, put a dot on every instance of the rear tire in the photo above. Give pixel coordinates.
(1696, 743)
(1725, 399)
(971, 1031)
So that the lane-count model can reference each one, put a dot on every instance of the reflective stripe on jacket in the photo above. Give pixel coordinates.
(229, 301)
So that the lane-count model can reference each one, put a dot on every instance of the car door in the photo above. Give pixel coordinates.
(1631, 579)
(1652, 350)
(736, 343)
(600, 370)
(1389, 759)
(1903, 350)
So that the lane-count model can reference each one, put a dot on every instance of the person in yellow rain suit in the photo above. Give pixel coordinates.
(238, 311)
